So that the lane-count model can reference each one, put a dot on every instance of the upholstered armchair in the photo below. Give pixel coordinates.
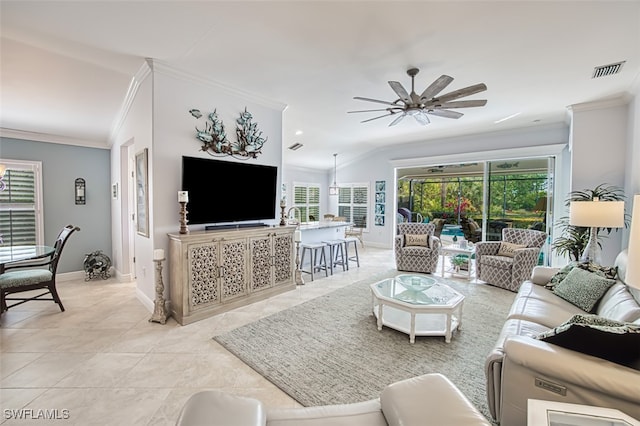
(509, 265)
(416, 247)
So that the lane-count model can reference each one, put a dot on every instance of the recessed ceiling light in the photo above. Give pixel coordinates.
(295, 146)
(507, 118)
(299, 132)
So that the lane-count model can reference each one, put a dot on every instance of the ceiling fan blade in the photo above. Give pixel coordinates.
(375, 100)
(400, 91)
(436, 87)
(397, 120)
(461, 93)
(462, 104)
(375, 118)
(369, 110)
(445, 113)
(422, 118)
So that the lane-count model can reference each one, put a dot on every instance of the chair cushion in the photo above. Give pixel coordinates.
(583, 289)
(503, 262)
(415, 251)
(509, 249)
(416, 240)
(26, 277)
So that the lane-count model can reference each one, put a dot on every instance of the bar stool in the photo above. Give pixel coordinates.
(316, 262)
(336, 254)
(354, 258)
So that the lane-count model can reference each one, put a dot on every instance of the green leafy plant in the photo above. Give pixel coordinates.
(573, 239)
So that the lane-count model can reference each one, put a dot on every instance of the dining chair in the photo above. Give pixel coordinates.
(36, 277)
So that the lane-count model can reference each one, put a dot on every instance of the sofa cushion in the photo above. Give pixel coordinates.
(366, 413)
(582, 288)
(509, 249)
(594, 335)
(618, 304)
(604, 271)
(416, 240)
(543, 312)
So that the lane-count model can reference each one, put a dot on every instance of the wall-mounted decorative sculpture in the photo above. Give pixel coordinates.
(214, 138)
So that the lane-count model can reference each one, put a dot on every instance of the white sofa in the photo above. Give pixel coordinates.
(428, 400)
(522, 367)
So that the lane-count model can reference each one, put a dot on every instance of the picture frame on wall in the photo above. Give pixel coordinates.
(380, 202)
(142, 193)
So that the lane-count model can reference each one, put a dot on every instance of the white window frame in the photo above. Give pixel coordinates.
(36, 168)
(351, 204)
(306, 205)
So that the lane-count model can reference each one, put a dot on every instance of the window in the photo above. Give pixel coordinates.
(306, 197)
(353, 203)
(20, 201)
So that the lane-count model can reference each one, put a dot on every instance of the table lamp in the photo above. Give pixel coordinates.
(595, 214)
(632, 278)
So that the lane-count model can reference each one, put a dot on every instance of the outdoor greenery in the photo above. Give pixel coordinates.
(512, 197)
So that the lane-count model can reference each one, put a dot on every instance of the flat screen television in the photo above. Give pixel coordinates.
(228, 191)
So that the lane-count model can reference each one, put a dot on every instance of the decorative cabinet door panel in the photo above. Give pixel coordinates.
(233, 264)
(261, 261)
(204, 288)
(283, 258)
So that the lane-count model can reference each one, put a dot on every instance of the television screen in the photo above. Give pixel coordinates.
(228, 191)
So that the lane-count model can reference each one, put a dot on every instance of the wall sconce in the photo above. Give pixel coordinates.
(80, 191)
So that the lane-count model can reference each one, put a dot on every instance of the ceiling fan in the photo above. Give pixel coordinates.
(418, 106)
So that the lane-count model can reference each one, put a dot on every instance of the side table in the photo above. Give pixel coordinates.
(452, 250)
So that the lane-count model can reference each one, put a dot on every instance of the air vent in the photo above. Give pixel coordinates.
(605, 70)
(295, 146)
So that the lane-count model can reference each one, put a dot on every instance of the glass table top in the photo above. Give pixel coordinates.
(417, 290)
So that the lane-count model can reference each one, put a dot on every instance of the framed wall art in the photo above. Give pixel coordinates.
(380, 198)
(142, 193)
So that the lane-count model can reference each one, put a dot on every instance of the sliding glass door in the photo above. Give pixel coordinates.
(484, 196)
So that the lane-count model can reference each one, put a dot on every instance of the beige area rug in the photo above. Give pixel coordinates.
(329, 350)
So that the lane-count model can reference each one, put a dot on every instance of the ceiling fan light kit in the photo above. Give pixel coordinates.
(428, 102)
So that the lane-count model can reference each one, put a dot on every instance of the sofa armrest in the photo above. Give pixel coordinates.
(216, 408)
(533, 369)
(541, 275)
(430, 399)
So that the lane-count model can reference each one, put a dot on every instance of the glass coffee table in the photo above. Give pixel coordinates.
(417, 305)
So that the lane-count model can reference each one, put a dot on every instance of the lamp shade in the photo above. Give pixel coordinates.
(597, 214)
(633, 265)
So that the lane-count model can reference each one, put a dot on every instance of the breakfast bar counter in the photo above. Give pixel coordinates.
(312, 232)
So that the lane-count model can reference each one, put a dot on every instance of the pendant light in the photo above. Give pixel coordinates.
(333, 189)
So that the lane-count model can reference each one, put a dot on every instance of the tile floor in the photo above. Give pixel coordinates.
(102, 363)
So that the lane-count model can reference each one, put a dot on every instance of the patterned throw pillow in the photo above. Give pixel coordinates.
(609, 272)
(597, 336)
(421, 240)
(509, 249)
(583, 289)
(560, 275)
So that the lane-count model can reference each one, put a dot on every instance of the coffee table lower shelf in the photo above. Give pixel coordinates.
(417, 324)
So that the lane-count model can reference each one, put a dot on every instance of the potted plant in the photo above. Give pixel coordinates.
(573, 239)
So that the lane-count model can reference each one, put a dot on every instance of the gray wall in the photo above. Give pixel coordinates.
(61, 165)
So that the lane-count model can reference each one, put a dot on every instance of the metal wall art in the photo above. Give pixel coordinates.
(214, 138)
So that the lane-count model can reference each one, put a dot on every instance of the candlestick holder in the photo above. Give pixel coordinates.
(283, 206)
(298, 273)
(184, 229)
(159, 309)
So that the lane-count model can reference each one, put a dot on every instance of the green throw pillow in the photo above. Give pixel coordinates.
(615, 341)
(583, 289)
(604, 271)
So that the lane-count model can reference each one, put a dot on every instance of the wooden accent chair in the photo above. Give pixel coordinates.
(17, 281)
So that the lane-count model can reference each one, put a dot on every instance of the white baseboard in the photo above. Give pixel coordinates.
(146, 302)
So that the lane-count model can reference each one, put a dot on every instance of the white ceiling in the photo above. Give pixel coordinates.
(66, 66)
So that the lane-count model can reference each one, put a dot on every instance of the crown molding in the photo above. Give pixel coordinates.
(47, 137)
(136, 81)
(163, 68)
(619, 100)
